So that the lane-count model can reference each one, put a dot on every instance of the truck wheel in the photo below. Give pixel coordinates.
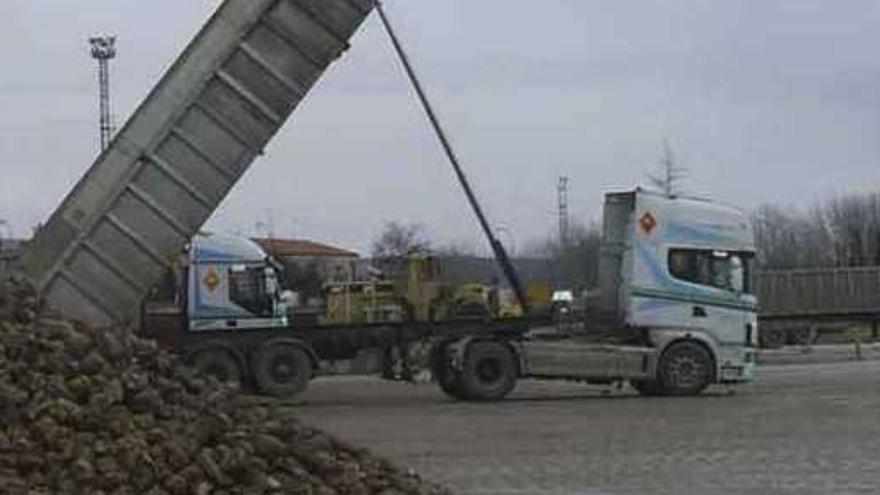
(803, 336)
(772, 339)
(282, 370)
(685, 369)
(448, 379)
(489, 372)
(219, 364)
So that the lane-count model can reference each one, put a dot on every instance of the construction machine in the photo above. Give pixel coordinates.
(413, 290)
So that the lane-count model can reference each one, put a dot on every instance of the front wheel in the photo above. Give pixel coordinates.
(282, 370)
(686, 368)
(489, 372)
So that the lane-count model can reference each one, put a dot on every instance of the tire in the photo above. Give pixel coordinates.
(686, 368)
(648, 388)
(281, 370)
(489, 372)
(219, 364)
(448, 379)
(803, 336)
(772, 339)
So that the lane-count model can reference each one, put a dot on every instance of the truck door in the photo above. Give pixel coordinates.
(711, 292)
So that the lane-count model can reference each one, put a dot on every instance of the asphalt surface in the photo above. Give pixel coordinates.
(801, 429)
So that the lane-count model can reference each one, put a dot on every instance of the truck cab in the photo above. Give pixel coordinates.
(232, 284)
(675, 310)
(686, 276)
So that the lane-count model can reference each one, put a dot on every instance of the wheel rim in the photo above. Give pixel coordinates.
(802, 336)
(283, 369)
(488, 371)
(686, 372)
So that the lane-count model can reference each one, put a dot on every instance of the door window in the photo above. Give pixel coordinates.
(720, 269)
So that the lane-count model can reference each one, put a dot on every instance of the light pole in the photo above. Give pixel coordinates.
(104, 50)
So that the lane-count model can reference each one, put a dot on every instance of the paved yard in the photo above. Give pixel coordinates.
(802, 429)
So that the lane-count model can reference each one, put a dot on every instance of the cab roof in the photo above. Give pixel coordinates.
(222, 248)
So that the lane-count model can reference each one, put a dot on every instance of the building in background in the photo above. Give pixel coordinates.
(308, 265)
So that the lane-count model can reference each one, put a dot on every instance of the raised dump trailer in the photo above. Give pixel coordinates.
(128, 219)
(676, 314)
(798, 305)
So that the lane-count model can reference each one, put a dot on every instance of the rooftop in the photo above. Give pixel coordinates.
(281, 248)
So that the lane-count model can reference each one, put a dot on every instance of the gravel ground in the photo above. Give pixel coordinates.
(802, 429)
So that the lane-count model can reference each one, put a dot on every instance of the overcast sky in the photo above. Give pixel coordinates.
(763, 101)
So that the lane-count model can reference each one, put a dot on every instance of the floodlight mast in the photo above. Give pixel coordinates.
(104, 50)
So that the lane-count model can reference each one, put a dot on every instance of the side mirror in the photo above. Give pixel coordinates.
(737, 275)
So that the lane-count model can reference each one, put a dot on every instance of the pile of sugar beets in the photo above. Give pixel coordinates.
(91, 412)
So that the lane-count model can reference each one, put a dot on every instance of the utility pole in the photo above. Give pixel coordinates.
(104, 50)
(564, 222)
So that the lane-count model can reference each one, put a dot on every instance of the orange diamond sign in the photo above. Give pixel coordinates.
(211, 280)
(648, 223)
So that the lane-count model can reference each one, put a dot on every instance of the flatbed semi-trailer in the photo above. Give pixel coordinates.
(681, 316)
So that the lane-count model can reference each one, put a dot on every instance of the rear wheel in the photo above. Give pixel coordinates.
(772, 339)
(282, 370)
(448, 379)
(803, 336)
(686, 368)
(489, 372)
(219, 364)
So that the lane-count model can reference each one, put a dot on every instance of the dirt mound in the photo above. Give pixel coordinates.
(83, 411)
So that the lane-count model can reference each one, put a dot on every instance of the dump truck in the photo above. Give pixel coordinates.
(676, 312)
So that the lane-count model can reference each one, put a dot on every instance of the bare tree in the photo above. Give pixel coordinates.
(854, 224)
(399, 240)
(844, 231)
(575, 264)
(396, 243)
(671, 174)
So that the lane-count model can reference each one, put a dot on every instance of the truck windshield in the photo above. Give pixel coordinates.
(248, 290)
(720, 269)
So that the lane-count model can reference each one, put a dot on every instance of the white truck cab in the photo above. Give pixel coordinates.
(686, 274)
(675, 310)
